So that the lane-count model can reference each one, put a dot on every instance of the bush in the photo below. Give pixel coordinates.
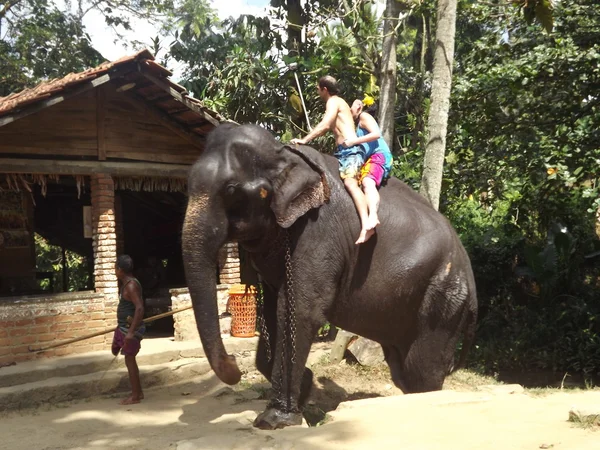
(538, 301)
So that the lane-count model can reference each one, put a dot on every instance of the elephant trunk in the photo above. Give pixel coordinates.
(204, 232)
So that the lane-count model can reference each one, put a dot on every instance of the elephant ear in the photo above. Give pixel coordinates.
(300, 184)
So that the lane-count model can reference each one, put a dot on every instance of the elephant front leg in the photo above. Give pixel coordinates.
(290, 378)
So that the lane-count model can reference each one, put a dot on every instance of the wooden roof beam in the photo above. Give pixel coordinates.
(62, 167)
(178, 96)
(169, 122)
(84, 87)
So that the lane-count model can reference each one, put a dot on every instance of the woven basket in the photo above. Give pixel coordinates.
(242, 306)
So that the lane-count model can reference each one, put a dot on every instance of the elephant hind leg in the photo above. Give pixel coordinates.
(305, 387)
(422, 368)
(394, 360)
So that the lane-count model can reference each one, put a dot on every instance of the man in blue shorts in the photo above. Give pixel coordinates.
(338, 119)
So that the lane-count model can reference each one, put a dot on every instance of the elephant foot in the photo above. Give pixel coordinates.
(273, 419)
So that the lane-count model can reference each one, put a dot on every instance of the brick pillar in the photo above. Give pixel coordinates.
(230, 271)
(104, 239)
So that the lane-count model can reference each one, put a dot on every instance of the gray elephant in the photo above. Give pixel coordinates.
(410, 287)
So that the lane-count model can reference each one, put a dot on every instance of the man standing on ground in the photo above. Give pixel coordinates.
(130, 329)
(338, 119)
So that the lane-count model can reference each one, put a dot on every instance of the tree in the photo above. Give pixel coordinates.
(443, 61)
(388, 79)
(40, 40)
(431, 182)
(521, 182)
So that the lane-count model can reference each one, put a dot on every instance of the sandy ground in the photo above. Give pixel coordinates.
(205, 414)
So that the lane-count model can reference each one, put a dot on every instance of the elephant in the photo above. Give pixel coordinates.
(410, 287)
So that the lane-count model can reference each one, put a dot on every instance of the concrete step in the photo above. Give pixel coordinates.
(59, 390)
(154, 351)
(58, 380)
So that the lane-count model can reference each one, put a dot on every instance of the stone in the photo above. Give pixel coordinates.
(339, 346)
(366, 352)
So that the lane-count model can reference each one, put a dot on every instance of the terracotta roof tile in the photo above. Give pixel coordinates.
(47, 88)
(156, 72)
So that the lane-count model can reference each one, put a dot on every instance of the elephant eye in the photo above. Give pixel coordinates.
(230, 189)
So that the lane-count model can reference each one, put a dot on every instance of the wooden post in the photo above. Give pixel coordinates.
(65, 274)
(100, 122)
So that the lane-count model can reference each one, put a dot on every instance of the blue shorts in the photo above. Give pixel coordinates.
(351, 160)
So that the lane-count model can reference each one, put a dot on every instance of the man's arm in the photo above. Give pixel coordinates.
(326, 124)
(368, 123)
(133, 294)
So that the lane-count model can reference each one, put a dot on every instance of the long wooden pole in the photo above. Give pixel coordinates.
(106, 331)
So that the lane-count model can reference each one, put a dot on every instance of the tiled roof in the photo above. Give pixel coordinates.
(151, 81)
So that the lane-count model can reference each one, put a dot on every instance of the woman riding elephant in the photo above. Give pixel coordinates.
(410, 287)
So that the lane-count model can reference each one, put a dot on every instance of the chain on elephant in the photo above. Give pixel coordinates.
(288, 357)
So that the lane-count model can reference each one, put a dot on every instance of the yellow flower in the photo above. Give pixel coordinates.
(552, 170)
(368, 100)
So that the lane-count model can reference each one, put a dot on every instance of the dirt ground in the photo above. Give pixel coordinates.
(206, 414)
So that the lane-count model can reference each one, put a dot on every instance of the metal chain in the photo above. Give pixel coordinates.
(291, 302)
(264, 332)
(289, 332)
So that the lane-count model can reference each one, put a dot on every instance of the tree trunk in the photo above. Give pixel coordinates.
(598, 222)
(435, 149)
(387, 101)
(295, 24)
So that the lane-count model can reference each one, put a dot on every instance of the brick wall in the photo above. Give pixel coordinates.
(230, 269)
(43, 321)
(104, 242)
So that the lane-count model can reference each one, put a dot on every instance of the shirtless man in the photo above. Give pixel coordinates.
(130, 329)
(338, 119)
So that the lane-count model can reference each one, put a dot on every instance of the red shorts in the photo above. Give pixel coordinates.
(130, 348)
(373, 168)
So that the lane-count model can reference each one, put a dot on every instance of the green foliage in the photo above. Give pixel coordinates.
(537, 10)
(47, 43)
(41, 39)
(49, 259)
(237, 74)
(524, 146)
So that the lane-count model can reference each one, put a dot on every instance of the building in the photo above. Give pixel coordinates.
(93, 165)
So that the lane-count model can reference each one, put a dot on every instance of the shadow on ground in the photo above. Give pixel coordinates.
(205, 409)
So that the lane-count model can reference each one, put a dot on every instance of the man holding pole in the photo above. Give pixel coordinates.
(130, 329)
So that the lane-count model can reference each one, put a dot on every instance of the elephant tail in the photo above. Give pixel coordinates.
(470, 326)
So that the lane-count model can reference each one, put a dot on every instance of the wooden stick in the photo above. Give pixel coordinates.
(106, 331)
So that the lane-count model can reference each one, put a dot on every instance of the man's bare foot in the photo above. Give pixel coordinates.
(131, 400)
(364, 236)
